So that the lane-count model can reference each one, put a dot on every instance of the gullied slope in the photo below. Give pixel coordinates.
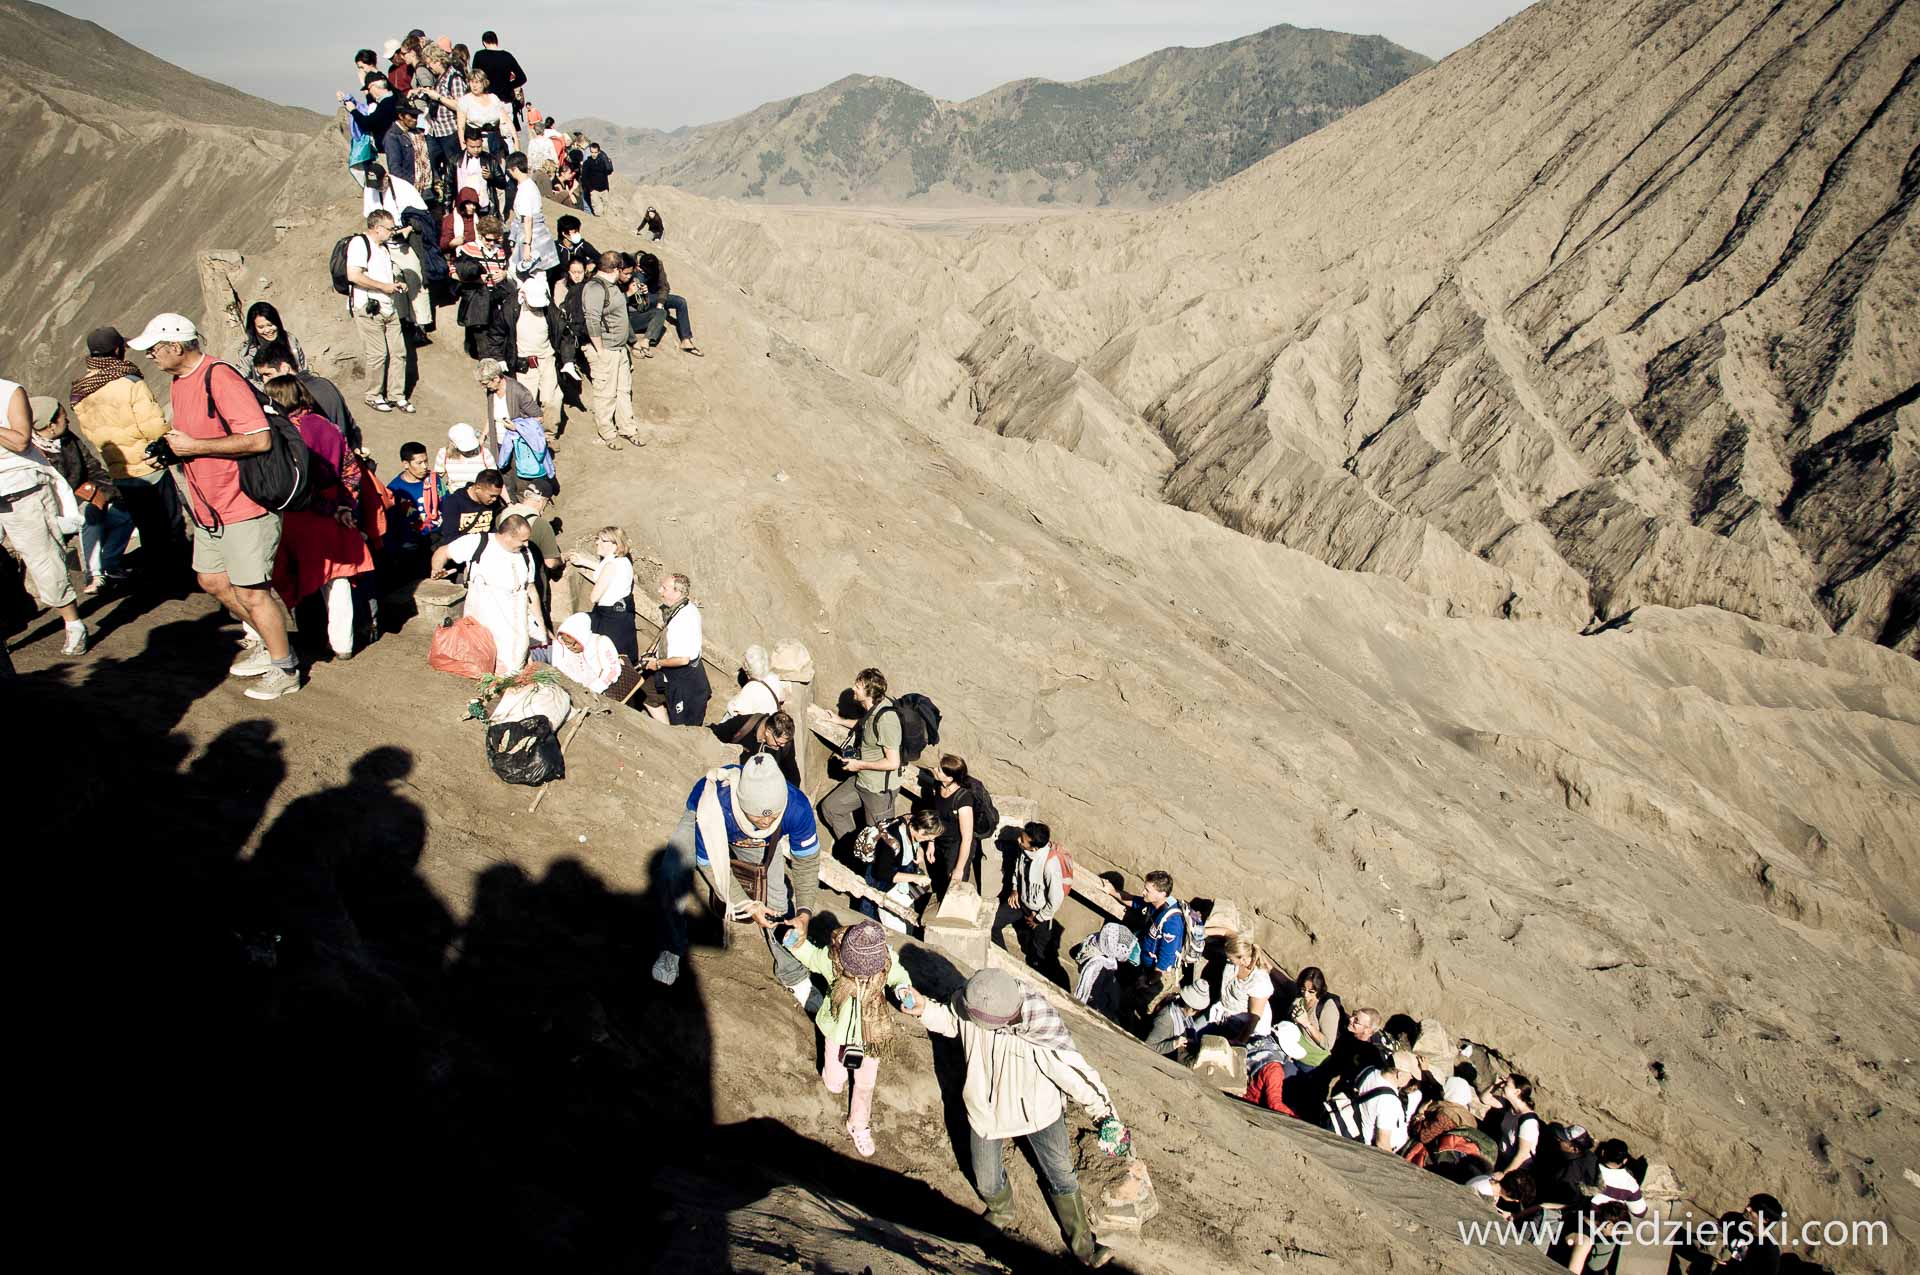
(120, 168)
(1612, 309)
(1158, 128)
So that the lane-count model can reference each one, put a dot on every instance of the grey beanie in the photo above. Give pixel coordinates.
(1194, 996)
(992, 998)
(761, 789)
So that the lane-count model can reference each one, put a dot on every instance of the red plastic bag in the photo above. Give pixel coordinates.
(463, 648)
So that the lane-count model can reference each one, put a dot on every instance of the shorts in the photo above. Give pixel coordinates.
(243, 551)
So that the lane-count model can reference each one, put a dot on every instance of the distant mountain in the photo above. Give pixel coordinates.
(634, 150)
(1154, 130)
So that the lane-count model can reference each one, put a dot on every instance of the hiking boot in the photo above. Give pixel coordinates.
(76, 643)
(253, 661)
(274, 683)
(666, 968)
(1072, 1208)
(1000, 1214)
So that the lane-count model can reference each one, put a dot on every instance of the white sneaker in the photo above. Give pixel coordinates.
(253, 661)
(274, 683)
(76, 643)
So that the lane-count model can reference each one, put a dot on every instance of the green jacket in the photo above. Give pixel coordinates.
(842, 1027)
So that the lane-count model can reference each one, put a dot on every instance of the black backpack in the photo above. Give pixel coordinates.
(919, 726)
(337, 263)
(279, 479)
(986, 816)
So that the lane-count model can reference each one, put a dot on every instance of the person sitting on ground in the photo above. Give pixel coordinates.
(596, 172)
(893, 859)
(1100, 958)
(769, 733)
(1161, 924)
(956, 795)
(854, 1019)
(262, 329)
(873, 766)
(681, 689)
(275, 360)
(1040, 891)
(1617, 1182)
(612, 602)
(1021, 1064)
(1567, 1170)
(760, 691)
(116, 412)
(473, 508)
(1435, 1120)
(1272, 1062)
(321, 550)
(107, 525)
(415, 521)
(234, 537)
(652, 226)
(1594, 1244)
(500, 588)
(584, 655)
(1356, 1050)
(745, 812)
(1317, 1012)
(1380, 1102)
(1756, 1249)
(1245, 1007)
(1177, 1023)
(29, 513)
(1519, 1126)
(660, 303)
(463, 458)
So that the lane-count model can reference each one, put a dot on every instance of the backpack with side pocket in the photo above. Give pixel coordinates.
(337, 262)
(919, 726)
(532, 458)
(280, 479)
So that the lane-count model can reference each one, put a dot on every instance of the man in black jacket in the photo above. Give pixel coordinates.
(274, 360)
(503, 73)
(594, 173)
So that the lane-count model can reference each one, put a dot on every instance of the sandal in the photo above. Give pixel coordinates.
(694, 350)
(379, 404)
(403, 405)
(862, 1139)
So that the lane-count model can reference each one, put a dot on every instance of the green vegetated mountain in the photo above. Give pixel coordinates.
(1154, 130)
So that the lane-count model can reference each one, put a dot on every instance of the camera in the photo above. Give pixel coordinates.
(371, 308)
(161, 453)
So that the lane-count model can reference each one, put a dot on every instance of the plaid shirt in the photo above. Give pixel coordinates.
(440, 121)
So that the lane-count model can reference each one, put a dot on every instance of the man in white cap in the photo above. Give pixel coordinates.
(30, 511)
(1021, 1068)
(234, 538)
(751, 813)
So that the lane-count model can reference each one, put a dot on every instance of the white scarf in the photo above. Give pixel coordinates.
(713, 835)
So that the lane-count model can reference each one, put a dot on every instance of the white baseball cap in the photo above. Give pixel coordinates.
(165, 327)
(464, 437)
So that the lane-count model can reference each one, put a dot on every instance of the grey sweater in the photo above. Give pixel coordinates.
(605, 308)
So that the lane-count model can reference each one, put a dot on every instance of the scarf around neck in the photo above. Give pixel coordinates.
(102, 371)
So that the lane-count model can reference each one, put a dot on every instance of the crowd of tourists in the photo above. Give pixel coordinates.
(257, 476)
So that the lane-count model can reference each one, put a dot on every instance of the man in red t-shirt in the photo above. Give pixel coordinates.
(234, 539)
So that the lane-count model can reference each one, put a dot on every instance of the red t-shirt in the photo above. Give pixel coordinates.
(214, 481)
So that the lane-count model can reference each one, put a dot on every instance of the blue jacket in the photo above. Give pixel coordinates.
(397, 153)
(798, 825)
(1162, 931)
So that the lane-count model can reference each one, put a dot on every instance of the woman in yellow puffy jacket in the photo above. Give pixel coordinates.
(116, 412)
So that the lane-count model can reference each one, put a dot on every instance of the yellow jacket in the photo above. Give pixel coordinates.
(120, 419)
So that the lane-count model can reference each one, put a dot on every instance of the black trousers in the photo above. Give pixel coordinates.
(685, 691)
(616, 624)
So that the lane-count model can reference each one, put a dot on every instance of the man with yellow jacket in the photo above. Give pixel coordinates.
(116, 412)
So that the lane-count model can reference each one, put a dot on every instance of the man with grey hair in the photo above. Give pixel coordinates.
(216, 421)
(680, 678)
(373, 283)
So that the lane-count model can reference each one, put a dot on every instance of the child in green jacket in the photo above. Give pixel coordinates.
(854, 1019)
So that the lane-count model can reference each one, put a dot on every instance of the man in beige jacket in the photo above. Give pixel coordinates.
(116, 412)
(1021, 1069)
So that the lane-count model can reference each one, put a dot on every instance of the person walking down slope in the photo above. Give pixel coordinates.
(854, 1020)
(116, 412)
(234, 538)
(30, 514)
(1021, 1068)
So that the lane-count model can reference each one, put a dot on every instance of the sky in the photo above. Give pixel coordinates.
(666, 64)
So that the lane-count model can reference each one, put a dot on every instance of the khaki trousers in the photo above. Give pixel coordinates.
(612, 370)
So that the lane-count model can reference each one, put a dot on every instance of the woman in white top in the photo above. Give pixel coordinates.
(1245, 1007)
(500, 588)
(480, 109)
(613, 593)
(762, 692)
(462, 459)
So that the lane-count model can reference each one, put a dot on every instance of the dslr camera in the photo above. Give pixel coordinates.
(161, 453)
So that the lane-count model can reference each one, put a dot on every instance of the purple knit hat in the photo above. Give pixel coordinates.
(863, 950)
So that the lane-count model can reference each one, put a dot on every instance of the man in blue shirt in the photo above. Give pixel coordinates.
(748, 813)
(1161, 922)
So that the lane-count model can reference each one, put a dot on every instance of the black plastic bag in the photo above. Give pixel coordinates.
(525, 752)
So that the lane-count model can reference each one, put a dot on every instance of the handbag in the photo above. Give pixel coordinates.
(92, 493)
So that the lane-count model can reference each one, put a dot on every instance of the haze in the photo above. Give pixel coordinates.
(668, 65)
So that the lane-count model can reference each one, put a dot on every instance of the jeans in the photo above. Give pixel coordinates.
(675, 306)
(1049, 1147)
(443, 154)
(586, 201)
(104, 538)
(154, 503)
(837, 807)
